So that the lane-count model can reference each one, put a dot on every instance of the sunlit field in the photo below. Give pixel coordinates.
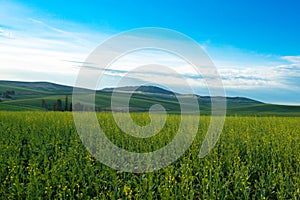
(41, 156)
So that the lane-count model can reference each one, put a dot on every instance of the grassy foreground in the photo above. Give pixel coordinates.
(41, 156)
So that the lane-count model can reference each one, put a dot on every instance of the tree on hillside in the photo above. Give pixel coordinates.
(10, 92)
(66, 103)
(6, 95)
(43, 104)
(57, 106)
(78, 107)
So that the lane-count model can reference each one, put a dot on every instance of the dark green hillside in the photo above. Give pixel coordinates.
(266, 109)
(41, 87)
(19, 96)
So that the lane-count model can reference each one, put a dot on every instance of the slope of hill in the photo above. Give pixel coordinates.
(16, 96)
(141, 89)
(36, 86)
(265, 109)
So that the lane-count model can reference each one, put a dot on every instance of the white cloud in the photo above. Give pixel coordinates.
(238, 77)
(6, 34)
(32, 46)
(261, 77)
(292, 59)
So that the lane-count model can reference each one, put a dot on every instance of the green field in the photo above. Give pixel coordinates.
(42, 157)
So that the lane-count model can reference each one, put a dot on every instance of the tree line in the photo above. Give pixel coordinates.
(58, 105)
(7, 94)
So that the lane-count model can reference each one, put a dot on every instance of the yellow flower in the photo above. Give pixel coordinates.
(127, 190)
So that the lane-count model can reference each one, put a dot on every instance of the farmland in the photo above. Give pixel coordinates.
(41, 156)
(28, 96)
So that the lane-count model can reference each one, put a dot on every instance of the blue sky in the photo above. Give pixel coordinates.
(254, 44)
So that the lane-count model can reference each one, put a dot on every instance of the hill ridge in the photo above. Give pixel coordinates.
(22, 95)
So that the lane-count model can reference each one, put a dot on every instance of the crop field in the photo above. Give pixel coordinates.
(42, 157)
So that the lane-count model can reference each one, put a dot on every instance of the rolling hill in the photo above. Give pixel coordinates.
(28, 96)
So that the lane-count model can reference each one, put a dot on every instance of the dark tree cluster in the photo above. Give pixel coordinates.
(44, 105)
(58, 105)
(7, 94)
(81, 107)
(78, 107)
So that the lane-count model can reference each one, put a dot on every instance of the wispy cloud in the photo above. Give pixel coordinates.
(33, 46)
(261, 77)
(282, 76)
(292, 59)
(5, 33)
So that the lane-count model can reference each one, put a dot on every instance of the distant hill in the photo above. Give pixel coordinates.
(39, 86)
(233, 101)
(15, 96)
(142, 89)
